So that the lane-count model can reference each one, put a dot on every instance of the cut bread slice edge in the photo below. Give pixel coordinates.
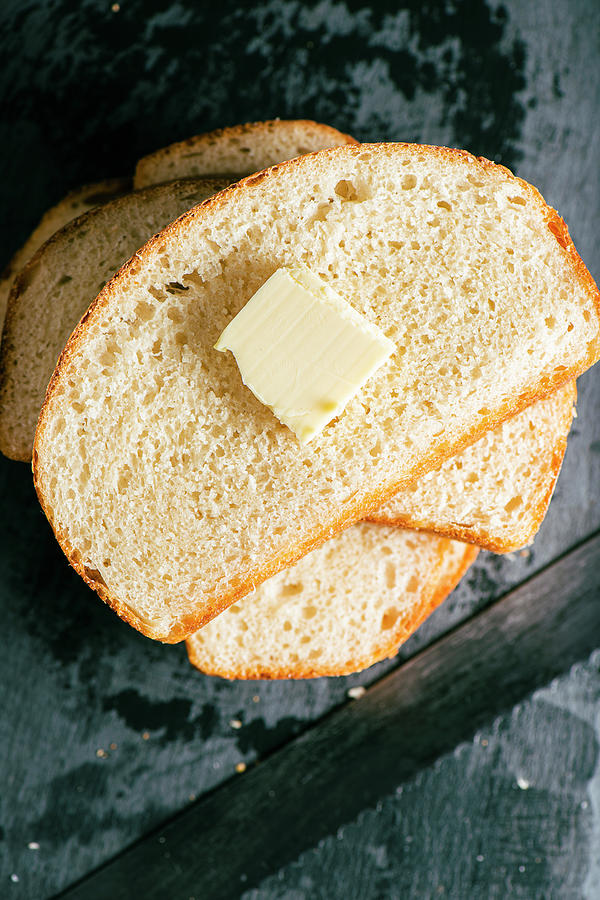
(494, 493)
(75, 203)
(241, 149)
(342, 608)
(56, 286)
(196, 227)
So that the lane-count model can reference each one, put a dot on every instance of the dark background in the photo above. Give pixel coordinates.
(104, 734)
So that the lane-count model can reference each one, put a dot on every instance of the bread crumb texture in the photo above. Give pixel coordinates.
(343, 607)
(175, 491)
(56, 287)
(494, 493)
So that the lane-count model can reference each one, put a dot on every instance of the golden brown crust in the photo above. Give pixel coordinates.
(236, 131)
(10, 344)
(476, 534)
(240, 585)
(433, 595)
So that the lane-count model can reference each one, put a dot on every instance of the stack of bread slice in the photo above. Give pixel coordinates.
(179, 497)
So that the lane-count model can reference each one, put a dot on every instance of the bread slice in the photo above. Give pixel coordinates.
(174, 491)
(56, 287)
(494, 493)
(74, 204)
(241, 149)
(340, 609)
(464, 499)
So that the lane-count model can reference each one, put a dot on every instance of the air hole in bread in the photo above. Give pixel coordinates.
(390, 574)
(175, 287)
(94, 575)
(352, 191)
(408, 182)
(175, 315)
(320, 214)
(389, 618)
(158, 295)
(290, 590)
(513, 504)
(443, 204)
(144, 311)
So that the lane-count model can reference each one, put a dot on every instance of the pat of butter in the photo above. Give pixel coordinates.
(303, 350)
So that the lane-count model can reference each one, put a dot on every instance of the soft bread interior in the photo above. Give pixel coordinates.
(456, 260)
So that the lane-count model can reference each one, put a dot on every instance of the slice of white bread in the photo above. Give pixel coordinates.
(174, 491)
(340, 609)
(494, 493)
(497, 492)
(241, 149)
(74, 204)
(55, 288)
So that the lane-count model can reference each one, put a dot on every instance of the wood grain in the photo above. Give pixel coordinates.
(355, 756)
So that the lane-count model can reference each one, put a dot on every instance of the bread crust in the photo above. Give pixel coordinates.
(256, 129)
(10, 344)
(102, 191)
(476, 534)
(433, 596)
(241, 584)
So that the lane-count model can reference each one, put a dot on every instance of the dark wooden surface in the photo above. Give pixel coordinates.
(105, 735)
(357, 756)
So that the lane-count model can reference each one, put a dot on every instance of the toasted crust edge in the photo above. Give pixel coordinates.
(242, 584)
(146, 163)
(18, 451)
(487, 540)
(434, 594)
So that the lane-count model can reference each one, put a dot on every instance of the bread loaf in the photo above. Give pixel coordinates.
(174, 491)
